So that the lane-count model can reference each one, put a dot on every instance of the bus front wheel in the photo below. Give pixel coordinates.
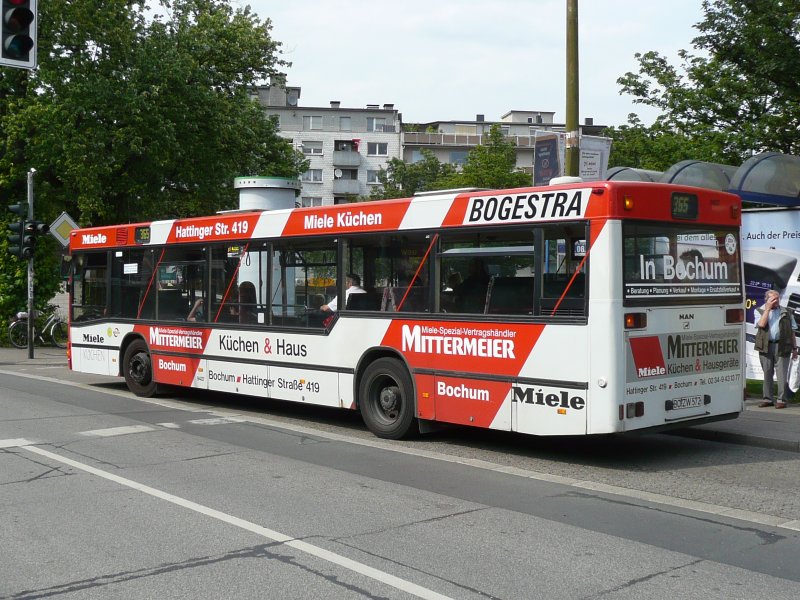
(138, 369)
(386, 399)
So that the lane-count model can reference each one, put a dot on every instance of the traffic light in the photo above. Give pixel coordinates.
(15, 237)
(22, 232)
(22, 239)
(18, 47)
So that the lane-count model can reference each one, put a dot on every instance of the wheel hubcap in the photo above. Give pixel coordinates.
(389, 401)
(140, 368)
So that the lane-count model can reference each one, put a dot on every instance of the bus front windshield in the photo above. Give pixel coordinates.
(665, 264)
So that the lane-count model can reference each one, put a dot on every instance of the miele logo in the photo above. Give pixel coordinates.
(93, 338)
(561, 399)
(96, 238)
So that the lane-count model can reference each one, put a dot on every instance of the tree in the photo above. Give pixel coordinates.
(490, 165)
(134, 115)
(740, 92)
(655, 147)
(137, 111)
(406, 179)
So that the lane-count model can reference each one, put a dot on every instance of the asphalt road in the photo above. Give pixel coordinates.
(105, 495)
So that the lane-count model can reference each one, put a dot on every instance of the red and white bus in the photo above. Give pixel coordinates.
(587, 308)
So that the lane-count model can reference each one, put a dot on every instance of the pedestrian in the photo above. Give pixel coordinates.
(776, 346)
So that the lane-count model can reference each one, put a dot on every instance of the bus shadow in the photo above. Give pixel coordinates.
(634, 452)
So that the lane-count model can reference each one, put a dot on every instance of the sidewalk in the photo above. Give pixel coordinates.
(762, 427)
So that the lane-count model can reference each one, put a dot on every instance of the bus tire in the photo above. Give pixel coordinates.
(138, 369)
(386, 399)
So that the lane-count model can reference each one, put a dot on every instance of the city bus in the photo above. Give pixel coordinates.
(573, 309)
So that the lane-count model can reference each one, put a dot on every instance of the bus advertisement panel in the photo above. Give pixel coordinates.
(564, 310)
(771, 254)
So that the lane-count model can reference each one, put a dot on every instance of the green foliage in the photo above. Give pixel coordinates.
(656, 147)
(489, 165)
(740, 93)
(134, 116)
(14, 275)
(139, 112)
(406, 179)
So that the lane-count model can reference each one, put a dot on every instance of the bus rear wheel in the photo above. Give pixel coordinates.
(138, 369)
(386, 399)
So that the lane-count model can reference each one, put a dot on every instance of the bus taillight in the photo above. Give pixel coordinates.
(635, 320)
(627, 203)
(734, 315)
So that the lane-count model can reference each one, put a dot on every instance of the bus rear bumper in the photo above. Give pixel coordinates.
(685, 424)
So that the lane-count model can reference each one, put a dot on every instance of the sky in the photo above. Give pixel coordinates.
(443, 60)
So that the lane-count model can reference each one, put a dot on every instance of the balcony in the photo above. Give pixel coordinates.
(346, 158)
(346, 186)
(382, 129)
(413, 138)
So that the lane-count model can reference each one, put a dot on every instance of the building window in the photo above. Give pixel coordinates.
(346, 145)
(312, 122)
(312, 147)
(458, 157)
(307, 201)
(505, 130)
(312, 176)
(344, 124)
(375, 123)
(372, 177)
(377, 149)
(416, 156)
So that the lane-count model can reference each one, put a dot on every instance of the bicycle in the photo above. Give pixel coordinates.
(54, 330)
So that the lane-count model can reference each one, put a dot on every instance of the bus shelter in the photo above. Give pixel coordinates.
(768, 178)
(631, 174)
(700, 174)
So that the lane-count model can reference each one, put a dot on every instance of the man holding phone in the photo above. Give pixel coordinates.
(776, 345)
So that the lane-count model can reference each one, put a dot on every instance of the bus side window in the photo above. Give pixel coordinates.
(510, 296)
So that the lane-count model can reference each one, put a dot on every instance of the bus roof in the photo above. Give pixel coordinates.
(445, 209)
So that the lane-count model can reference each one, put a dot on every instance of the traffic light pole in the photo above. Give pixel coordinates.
(30, 268)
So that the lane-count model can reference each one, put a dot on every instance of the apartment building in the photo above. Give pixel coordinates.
(451, 141)
(346, 147)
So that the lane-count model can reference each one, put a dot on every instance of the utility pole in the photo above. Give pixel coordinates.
(573, 151)
(30, 267)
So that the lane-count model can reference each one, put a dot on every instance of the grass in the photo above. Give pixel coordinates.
(754, 389)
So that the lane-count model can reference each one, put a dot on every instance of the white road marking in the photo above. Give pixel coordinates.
(670, 501)
(169, 425)
(271, 534)
(112, 431)
(13, 443)
(217, 421)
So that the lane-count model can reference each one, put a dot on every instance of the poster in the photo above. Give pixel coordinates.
(771, 256)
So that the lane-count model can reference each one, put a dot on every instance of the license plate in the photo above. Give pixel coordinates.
(686, 402)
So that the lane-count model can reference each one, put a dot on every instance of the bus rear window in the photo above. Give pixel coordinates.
(666, 264)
